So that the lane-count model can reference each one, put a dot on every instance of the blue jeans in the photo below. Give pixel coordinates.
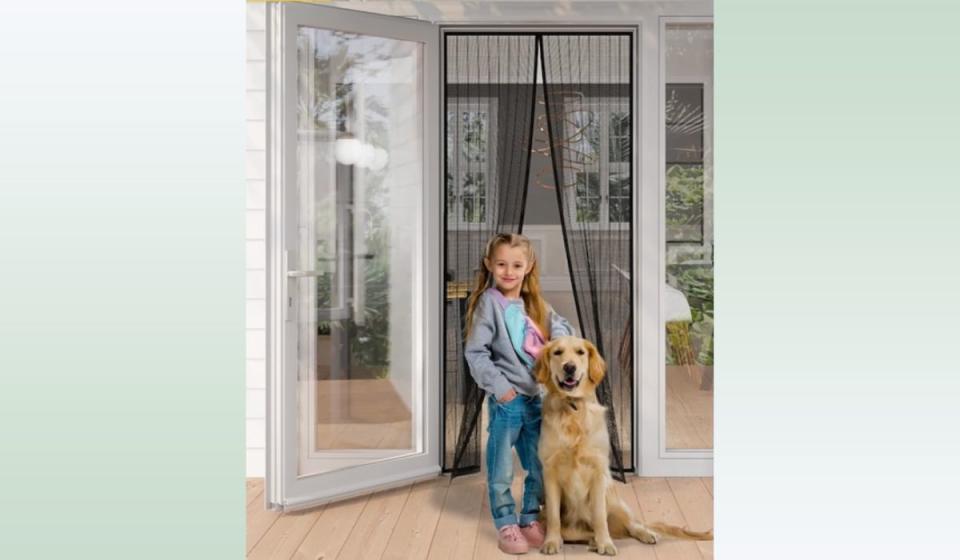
(514, 424)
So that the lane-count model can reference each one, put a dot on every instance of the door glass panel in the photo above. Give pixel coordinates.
(688, 300)
(359, 189)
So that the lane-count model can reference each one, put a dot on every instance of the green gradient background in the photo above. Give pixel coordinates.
(121, 299)
(836, 280)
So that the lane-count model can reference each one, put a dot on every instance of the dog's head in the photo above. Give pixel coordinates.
(570, 366)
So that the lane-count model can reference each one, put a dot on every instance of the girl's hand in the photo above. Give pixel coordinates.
(508, 396)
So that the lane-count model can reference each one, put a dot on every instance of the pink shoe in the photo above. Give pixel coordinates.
(512, 540)
(534, 533)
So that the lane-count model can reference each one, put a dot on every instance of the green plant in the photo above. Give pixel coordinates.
(696, 282)
(371, 346)
(324, 300)
(702, 338)
(684, 200)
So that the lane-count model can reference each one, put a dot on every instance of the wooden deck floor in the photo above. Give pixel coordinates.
(443, 520)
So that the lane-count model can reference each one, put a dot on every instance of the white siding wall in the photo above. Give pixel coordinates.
(256, 238)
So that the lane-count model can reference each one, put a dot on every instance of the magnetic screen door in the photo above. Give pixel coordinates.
(572, 92)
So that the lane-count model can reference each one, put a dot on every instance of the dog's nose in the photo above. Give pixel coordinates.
(570, 368)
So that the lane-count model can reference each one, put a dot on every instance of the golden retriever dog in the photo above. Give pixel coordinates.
(581, 501)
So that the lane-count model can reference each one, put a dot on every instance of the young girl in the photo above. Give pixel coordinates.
(507, 325)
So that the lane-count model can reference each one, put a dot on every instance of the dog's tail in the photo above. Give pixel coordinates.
(681, 532)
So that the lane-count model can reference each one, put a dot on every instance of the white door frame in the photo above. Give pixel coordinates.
(652, 457)
(656, 459)
(285, 489)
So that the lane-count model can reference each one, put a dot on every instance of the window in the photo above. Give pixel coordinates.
(471, 128)
(684, 164)
(599, 139)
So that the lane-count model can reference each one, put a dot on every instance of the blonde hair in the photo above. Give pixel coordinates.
(535, 307)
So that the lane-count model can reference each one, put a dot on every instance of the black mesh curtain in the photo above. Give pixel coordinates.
(588, 93)
(490, 84)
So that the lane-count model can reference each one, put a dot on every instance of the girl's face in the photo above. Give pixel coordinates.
(509, 266)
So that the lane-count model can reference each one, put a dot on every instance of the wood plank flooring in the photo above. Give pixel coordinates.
(689, 411)
(439, 520)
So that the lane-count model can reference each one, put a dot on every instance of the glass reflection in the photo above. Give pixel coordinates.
(359, 178)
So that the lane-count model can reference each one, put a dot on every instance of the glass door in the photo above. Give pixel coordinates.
(689, 264)
(354, 392)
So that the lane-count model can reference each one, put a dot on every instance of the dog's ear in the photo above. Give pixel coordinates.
(541, 369)
(596, 367)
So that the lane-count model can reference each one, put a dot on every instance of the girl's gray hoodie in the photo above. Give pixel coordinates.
(493, 362)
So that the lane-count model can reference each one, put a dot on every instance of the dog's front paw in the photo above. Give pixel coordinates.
(551, 546)
(605, 548)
